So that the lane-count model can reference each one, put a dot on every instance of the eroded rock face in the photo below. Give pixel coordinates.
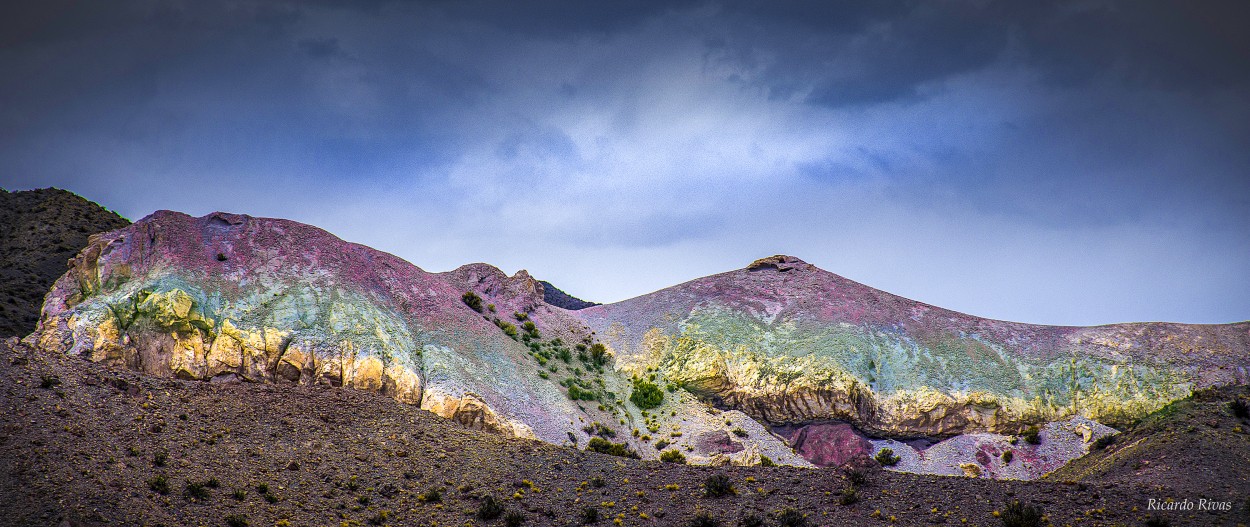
(830, 444)
(230, 298)
(787, 342)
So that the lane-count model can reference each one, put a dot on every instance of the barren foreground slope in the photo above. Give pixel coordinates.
(82, 444)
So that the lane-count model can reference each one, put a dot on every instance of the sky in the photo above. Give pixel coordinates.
(1070, 163)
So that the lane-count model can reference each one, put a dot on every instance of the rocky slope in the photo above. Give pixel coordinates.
(778, 350)
(234, 298)
(786, 342)
(40, 230)
(84, 445)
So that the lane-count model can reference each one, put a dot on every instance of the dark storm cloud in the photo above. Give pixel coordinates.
(1105, 139)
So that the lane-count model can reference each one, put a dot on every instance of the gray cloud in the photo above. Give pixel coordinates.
(1078, 163)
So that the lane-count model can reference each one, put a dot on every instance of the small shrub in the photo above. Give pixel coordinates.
(433, 495)
(856, 477)
(195, 491)
(159, 459)
(590, 515)
(379, 518)
(599, 354)
(236, 520)
(740, 432)
(850, 496)
(646, 395)
(704, 519)
(513, 519)
(751, 520)
(489, 508)
(159, 484)
(262, 488)
(521, 317)
(1017, 514)
(597, 482)
(48, 382)
(886, 457)
(1033, 435)
(603, 446)
(718, 485)
(363, 500)
(1007, 456)
(673, 456)
(240, 494)
(472, 300)
(662, 444)
(791, 518)
(766, 461)
(1239, 409)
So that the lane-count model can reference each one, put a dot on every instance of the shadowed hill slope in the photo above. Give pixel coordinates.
(556, 297)
(40, 230)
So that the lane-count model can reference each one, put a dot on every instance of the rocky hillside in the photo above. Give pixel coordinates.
(40, 230)
(228, 298)
(745, 367)
(786, 342)
(84, 445)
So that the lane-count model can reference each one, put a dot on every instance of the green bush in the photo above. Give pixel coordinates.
(1033, 435)
(1007, 456)
(603, 446)
(433, 495)
(599, 354)
(472, 300)
(513, 519)
(1017, 514)
(886, 457)
(159, 485)
(791, 518)
(718, 485)
(850, 496)
(646, 395)
(766, 461)
(521, 317)
(507, 327)
(673, 456)
(704, 519)
(489, 508)
(195, 491)
(590, 515)
(236, 520)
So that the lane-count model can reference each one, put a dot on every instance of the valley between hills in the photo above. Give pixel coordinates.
(233, 370)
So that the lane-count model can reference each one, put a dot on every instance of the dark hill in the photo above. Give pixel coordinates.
(556, 297)
(40, 230)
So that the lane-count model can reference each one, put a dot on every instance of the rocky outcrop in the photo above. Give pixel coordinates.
(234, 298)
(787, 342)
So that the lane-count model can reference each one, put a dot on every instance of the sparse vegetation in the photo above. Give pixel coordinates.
(1033, 435)
(850, 496)
(704, 519)
(673, 456)
(1018, 514)
(1104, 442)
(159, 484)
(236, 520)
(434, 495)
(489, 508)
(513, 519)
(590, 515)
(472, 300)
(718, 485)
(740, 432)
(603, 446)
(48, 382)
(159, 459)
(855, 477)
(646, 395)
(766, 461)
(791, 518)
(1007, 456)
(886, 457)
(751, 520)
(195, 491)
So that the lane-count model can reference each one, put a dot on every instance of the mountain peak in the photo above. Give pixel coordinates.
(780, 263)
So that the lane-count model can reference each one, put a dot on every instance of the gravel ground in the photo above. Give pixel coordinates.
(84, 445)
